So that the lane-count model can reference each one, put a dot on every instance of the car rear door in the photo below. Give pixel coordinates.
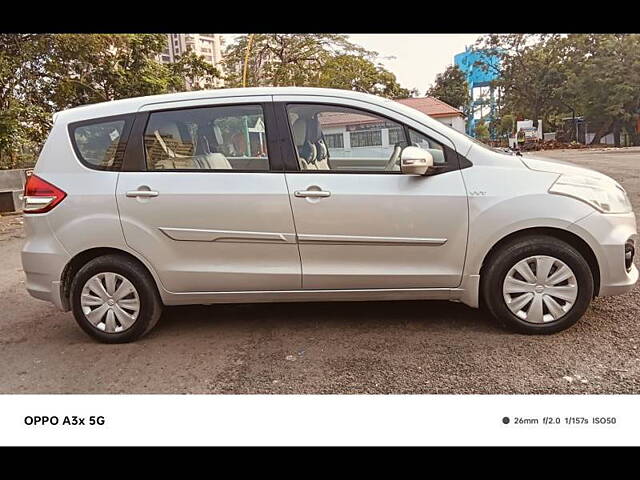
(360, 222)
(202, 196)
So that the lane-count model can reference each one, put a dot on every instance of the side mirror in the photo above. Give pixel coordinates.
(415, 161)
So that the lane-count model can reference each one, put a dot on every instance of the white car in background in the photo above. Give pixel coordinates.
(301, 194)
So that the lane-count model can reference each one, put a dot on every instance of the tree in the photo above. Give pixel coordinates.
(22, 57)
(603, 81)
(320, 60)
(200, 73)
(101, 67)
(506, 126)
(451, 87)
(481, 130)
(352, 72)
(283, 59)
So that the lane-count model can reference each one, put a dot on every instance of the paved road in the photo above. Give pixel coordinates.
(374, 347)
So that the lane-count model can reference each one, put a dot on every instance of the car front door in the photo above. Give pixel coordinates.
(360, 222)
(204, 200)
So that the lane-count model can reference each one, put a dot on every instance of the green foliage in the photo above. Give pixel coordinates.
(531, 77)
(282, 59)
(22, 59)
(451, 87)
(603, 80)
(353, 72)
(506, 125)
(481, 130)
(102, 67)
(319, 60)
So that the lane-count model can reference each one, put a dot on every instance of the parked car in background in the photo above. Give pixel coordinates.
(301, 194)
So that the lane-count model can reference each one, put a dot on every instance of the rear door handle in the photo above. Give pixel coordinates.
(312, 193)
(142, 193)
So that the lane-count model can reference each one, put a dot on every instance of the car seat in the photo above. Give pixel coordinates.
(307, 151)
(173, 151)
(314, 136)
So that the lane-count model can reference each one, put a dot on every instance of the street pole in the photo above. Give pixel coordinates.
(246, 60)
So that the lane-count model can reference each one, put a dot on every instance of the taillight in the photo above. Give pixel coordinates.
(40, 196)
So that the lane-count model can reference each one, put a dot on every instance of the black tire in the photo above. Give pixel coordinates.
(150, 302)
(499, 265)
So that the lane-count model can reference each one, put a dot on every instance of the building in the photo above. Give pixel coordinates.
(207, 45)
(438, 110)
(361, 135)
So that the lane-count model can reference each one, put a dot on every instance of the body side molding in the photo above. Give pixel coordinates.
(205, 235)
(202, 235)
(367, 240)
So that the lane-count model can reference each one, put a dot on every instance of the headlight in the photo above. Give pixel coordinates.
(605, 196)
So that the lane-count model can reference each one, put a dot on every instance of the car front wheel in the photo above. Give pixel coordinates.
(537, 285)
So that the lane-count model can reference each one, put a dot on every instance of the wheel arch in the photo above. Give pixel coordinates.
(568, 237)
(82, 258)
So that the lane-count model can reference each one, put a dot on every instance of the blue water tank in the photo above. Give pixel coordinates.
(477, 76)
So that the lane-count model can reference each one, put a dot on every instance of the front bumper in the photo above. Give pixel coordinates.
(607, 234)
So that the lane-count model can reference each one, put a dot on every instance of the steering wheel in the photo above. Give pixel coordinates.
(394, 159)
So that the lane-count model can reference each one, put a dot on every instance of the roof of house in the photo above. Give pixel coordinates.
(336, 119)
(429, 105)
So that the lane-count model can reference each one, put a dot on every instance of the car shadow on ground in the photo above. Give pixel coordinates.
(437, 315)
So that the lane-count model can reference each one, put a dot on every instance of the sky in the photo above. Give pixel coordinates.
(418, 57)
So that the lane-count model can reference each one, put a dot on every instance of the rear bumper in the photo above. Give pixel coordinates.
(607, 235)
(43, 260)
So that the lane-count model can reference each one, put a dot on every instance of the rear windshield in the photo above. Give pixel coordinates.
(100, 143)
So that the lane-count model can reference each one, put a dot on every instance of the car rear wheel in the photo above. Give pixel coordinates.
(537, 285)
(114, 299)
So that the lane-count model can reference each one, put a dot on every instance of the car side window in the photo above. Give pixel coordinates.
(335, 138)
(208, 139)
(437, 150)
(99, 144)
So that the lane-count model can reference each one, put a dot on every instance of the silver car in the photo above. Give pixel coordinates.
(302, 194)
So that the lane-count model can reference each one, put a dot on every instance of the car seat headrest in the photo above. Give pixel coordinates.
(314, 131)
(299, 128)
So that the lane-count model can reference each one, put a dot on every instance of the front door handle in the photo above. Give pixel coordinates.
(312, 193)
(142, 193)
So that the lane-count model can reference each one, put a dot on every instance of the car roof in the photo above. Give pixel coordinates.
(131, 105)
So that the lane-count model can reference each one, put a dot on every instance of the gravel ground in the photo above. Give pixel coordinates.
(372, 347)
